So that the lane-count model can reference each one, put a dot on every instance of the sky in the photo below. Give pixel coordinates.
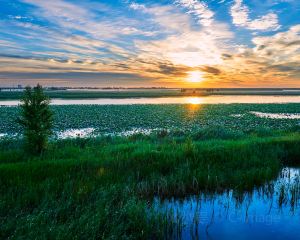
(148, 43)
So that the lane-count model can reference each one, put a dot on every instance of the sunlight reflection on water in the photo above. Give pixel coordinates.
(170, 100)
(277, 115)
(75, 133)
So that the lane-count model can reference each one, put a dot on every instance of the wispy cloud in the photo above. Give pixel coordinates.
(73, 17)
(168, 18)
(240, 17)
(281, 48)
(199, 9)
(136, 6)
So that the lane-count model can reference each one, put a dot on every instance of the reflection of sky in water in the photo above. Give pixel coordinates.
(3, 135)
(75, 133)
(277, 115)
(6, 135)
(91, 132)
(256, 215)
(134, 131)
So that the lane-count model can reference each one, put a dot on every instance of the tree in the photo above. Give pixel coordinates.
(36, 119)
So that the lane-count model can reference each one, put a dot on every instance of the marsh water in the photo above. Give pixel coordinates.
(170, 100)
(269, 212)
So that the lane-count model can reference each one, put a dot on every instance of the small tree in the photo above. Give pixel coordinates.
(36, 119)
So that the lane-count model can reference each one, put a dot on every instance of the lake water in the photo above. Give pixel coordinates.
(270, 212)
(169, 100)
(277, 115)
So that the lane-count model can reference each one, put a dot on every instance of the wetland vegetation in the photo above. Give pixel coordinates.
(179, 119)
(124, 186)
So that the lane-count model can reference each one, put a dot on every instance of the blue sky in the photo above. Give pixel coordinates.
(169, 43)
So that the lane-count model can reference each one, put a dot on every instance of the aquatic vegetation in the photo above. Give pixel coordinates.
(178, 119)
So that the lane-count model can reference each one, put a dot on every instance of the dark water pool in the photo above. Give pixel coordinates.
(270, 212)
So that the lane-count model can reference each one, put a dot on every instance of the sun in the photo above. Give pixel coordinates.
(195, 77)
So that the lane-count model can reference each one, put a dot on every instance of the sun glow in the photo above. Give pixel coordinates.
(195, 77)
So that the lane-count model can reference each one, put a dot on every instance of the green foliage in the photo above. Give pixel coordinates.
(36, 119)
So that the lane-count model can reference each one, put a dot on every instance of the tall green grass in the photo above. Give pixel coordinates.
(101, 188)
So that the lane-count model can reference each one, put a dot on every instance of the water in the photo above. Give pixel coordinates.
(2, 135)
(134, 131)
(270, 212)
(90, 133)
(75, 133)
(277, 115)
(169, 100)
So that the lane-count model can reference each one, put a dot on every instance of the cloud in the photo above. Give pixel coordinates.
(190, 48)
(198, 9)
(211, 70)
(273, 61)
(226, 56)
(240, 17)
(72, 31)
(169, 20)
(155, 44)
(178, 50)
(281, 47)
(136, 6)
(72, 79)
(84, 18)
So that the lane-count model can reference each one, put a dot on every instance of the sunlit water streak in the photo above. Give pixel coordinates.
(169, 100)
(75, 133)
(91, 132)
(2, 135)
(270, 212)
(277, 115)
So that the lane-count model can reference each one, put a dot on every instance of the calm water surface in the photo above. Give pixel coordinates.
(270, 212)
(170, 100)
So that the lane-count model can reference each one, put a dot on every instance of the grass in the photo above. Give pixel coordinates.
(100, 188)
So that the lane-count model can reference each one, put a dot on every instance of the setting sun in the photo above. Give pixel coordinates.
(195, 77)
